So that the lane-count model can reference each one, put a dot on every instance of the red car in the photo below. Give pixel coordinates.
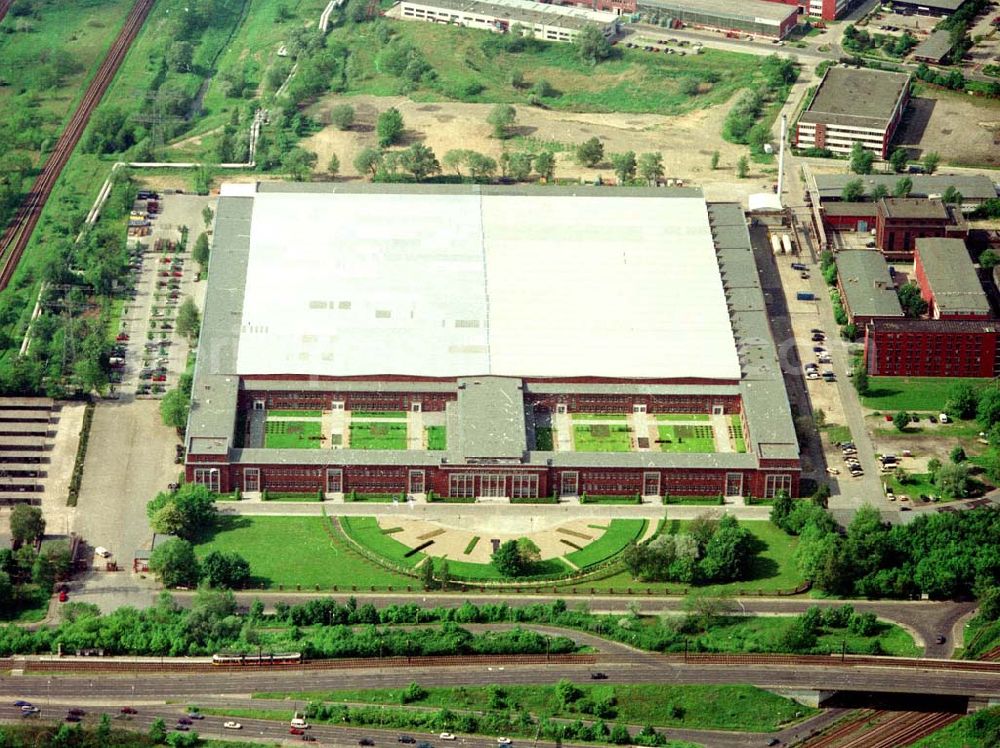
(296, 731)
(160, 378)
(178, 274)
(121, 337)
(129, 710)
(63, 596)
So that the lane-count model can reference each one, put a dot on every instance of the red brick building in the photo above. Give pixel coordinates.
(828, 10)
(900, 221)
(932, 348)
(948, 280)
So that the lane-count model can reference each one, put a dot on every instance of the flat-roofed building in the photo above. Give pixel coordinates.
(948, 280)
(934, 48)
(932, 348)
(927, 7)
(867, 290)
(852, 106)
(757, 17)
(900, 221)
(828, 10)
(554, 23)
(974, 188)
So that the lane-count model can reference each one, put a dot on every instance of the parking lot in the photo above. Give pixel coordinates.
(150, 355)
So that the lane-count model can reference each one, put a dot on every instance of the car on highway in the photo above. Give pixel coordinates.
(182, 727)
(598, 676)
(424, 745)
(446, 736)
(366, 742)
(75, 710)
(296, 731)
(939, 638)
(405, 739)
(128, 710)
(21, 702)
(230, 725)
(503, 741)
(73, 718)
(195, 715)
(307, 738)
(29, 709)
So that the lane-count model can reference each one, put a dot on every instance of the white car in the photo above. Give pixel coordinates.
(503, 741)
(232, 725)
(446, 736)
(102, 552)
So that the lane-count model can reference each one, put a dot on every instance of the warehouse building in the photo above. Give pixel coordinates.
(927, 7)
(932, 348)
(554, 23)
(852, 105)
(975, 188)
(828, 10)
(901, 221)
(934, 48)
(867, 289)
(757, 17)
(948, 280)
(464, 349)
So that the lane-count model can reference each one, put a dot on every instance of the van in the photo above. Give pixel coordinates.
(299, 722)
(943, 418)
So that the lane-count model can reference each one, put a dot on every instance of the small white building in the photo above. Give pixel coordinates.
(554, 23)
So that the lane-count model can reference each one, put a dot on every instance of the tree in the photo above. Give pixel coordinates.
(427, 574)
(728, 554)
(157, 731)
(590, 152)
(931, 161)
(624, 165)
(903, 187)
(175, 564)
(989, 260)
(342, 116)
(951, 196)
(714, 161)
(898, 160)
(188, 319)
(591, 45)
(299, 163)
(26, 524)
(333, 165)
(481, 168)
(651, 167)
(200, 251)
(187, 512)
(957, 455)
(420, 161)
(862, 159)
(519, 166)
(879, 191)
(545, 165)
(225, 570)
(501, 118)
(368, 161)
(988, 408)
(953, 480)
(862, 384)
(389, 127)
(901, 420)
(742, 167)
(543, 89)
(174, 409)
(507, 559)
(910, 299)
(854, 191)
(933, 466)
(180, 56)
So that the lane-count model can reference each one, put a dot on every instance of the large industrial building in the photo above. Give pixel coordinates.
(974, 188)
(757, 17)
(927, 7)
(854, 105)
(828, 10)
(486, 342)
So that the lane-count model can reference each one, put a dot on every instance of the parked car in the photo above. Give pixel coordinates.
(446, 736)
(296, 731)
(128, 710)
(195, 715)
(183, 727)
(405, 739)
(598, 676)
(73, 718)
(184, 721)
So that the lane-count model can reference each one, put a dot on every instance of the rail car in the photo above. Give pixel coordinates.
(256, 660)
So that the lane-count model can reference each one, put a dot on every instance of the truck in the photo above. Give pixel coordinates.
(775, 244)
(786, 244)
(805, 296)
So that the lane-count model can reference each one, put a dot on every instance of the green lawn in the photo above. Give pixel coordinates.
(979, 730)
(366, 531)
(980, 637)
(619, 534)
(486, 572)
(295, 413)
(773, 570)
(686, 438)
(378, 435)
(683, 417)
(739, 438)
(918, 483)
(599, 438)
(382, 415)
(743, 708)
(600, 417)
(437, 438)
(293, 435)
(265, 542)
(543, 438)
(835, 433)
(891, 394)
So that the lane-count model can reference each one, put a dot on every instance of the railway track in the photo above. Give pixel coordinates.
(882, 729)
(992, 655)
(15, 238)
(849, 660)
(842, 730)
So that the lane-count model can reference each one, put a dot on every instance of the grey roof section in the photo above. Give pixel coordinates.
(952, 277)
(361, 188)
(541, 17)
(849, 209)
(215, 390)
(934, 47)
(949, 5)
(857, 98)
(765, 400)
(750, 11)
(868, 287)
(489, 415)
(346, 385)
(629, 388)
(914, 207)
(974, 188)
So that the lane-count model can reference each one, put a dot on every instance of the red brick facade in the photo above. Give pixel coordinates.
(931, 348)
(896, 236)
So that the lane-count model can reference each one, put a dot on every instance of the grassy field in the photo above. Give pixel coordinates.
(470, 66)
(773, 570)
(486, 572)
(378, 435)
(979, 730)
(891, 394)
(437, 438)
(295, 413)
(661, 705)
(621, 417)
(366, 531)
(683, 417)
(686, 438)
(543, 438)
(265, 543)
(918, 483)
(380, 415)
(597, 438)
(619, 534)
(739, 438)
(293, 435)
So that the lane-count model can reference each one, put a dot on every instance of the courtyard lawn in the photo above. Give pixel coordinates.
(660, 705)
(366, 532)
(619, 534)
(486, 572)
(600, 438)
(380, 415)
(686, 438)
(682, 417)
(378, 435)
(295, 413)
(265, 542)
(543, 438)
(891, 394)
(293, 435)
(600, 417)
(436, 438)
(739, 439)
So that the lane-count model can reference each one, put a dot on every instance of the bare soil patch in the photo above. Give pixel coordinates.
(964, 129)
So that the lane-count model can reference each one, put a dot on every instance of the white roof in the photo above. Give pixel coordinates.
(529, 285)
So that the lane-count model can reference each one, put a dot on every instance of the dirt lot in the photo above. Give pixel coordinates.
(963, 129)
(687, 142)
